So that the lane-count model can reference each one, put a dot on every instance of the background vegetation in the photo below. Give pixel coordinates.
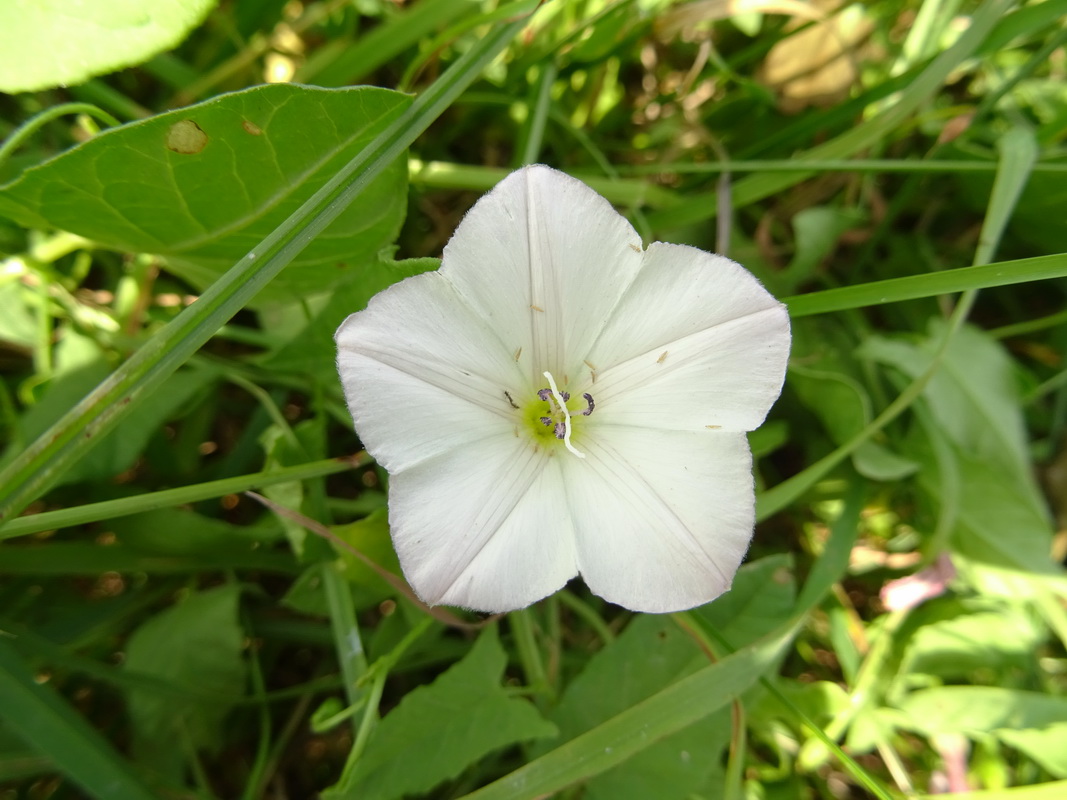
(165, 631)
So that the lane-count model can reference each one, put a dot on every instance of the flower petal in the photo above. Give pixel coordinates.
(545, 259)
(663, 518)
(697, 342)
(421, 373)
(484, 526)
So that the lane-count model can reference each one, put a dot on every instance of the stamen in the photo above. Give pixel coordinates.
(560, 430)
(566, 417)
(546, 421)
(544, 394)
(589, 399)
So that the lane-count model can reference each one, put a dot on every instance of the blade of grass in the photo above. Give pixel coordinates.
(33, 471)
(168, 498)
(672, 709)
(40, 717)
(404, 29)
(931, 284)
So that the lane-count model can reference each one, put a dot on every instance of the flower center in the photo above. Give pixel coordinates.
(550, 418)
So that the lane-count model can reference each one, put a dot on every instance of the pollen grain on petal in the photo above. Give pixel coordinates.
(662, 357)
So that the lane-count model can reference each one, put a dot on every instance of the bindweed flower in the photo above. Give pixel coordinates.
(557, 400)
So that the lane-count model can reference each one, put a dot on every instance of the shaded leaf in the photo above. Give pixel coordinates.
(440, 729)
(312, 351)
(195, 644)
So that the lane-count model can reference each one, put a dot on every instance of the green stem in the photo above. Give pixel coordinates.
(35, 123)
(168, 498)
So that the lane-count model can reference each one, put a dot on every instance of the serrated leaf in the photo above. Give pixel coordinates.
(47, 43)
(437, 731)
(195, 644)
(202, 186)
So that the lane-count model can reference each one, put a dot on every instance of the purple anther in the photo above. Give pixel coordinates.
(589, 399)
(560, 430)
(565, 395)
(545, 394)
(546, 421)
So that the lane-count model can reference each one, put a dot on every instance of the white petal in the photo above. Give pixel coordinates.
(696, 343)
(545, 259)
(422, 375)
(663, 518)
(484, 526)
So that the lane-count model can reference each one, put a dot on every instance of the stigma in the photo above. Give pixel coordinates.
(559, 416)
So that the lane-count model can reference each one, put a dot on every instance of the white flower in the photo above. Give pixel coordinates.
(556, 400)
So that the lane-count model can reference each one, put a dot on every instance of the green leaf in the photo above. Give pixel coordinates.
(1000, 522)
(955, 647)
(370, 536)
(1048, 747)
(17, 324)
(49, 43)
(651, 653)
(639, 726)
(980, 709)
(973, 397)
(195, 644)
(202, 186)
(180, 532)
(816, 232)
(826, 377)
(53, 728)
(312, 351)
(440, 729)
(762, 598)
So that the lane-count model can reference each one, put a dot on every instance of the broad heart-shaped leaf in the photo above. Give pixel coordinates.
(46, 43)
(195, 644)
(202, 186)
(440, 729)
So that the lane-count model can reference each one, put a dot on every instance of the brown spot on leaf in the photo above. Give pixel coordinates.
(186, 137)
(251, 127)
